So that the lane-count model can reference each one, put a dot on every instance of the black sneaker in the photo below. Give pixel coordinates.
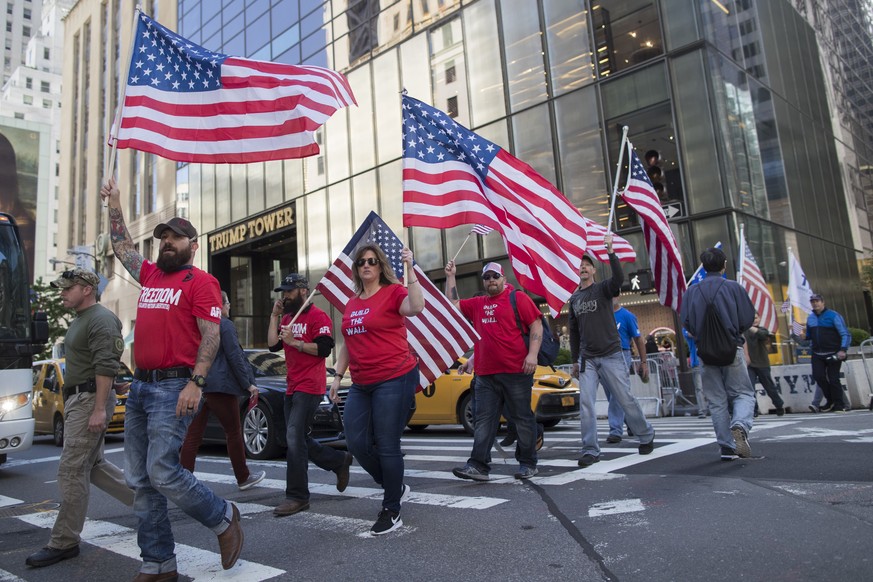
(508, 440)
(470, 472)
(729, 454)
(48, 556)
(780, 411)
(814, 409)
(744, 450)
(613, 438)
(826, 408)
(646, 448)
(588, 460)
(387, 521)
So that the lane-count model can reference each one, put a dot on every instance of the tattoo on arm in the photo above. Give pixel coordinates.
(210, 339)
(123, 245)
(453, 293)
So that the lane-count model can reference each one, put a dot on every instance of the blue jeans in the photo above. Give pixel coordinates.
(729, 387)
(153, 439)
(615, 413)
(697, 376)
(492, 391)
(612, 372)
(299, 411)
(374, 419)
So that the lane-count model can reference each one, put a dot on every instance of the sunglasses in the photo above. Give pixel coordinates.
(368, 261)
(489, 276)
(68, 275)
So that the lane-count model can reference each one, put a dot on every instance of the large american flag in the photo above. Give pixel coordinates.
(752, 280)
(664, 258)
(438, 335)
(596, 247)
(189, 104)
(452, 176)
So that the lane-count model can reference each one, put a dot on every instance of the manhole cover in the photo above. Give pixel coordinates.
(17, 510)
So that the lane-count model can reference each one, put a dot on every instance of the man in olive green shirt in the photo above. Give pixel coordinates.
(93, 350)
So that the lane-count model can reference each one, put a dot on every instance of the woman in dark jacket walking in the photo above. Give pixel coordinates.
(229, 376)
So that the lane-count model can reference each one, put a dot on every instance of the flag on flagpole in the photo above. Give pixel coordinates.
(664, 258)
(438, 335)
(596, 247)
(700, 273)
(188, 104)
(799, 290)
(752, 280)
(786, 305)
(481, 229)
(452, 176)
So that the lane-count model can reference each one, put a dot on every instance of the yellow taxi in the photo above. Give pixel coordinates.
(449, 400)
(48, 399)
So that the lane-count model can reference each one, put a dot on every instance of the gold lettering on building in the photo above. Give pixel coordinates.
(252, 229)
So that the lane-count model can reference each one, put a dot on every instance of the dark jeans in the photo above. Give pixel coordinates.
(762, 375)
(374, 419)
(827, 375)
(492, 391)
(225, 407)
(299, 408)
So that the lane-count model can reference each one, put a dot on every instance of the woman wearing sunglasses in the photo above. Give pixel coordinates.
(384, 373)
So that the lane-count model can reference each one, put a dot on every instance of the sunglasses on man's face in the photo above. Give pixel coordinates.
(368, 261)
(489, 276)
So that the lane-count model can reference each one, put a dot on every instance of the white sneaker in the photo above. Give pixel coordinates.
(254, 479)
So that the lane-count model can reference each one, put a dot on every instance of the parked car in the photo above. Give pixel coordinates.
(48, 399)
(449, 400)
(264, 425)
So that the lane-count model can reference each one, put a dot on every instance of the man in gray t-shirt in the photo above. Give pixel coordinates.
(596, 348)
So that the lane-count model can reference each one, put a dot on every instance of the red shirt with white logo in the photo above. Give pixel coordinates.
(306, 373)
(501, 349)
(166, 332)
(375, 336)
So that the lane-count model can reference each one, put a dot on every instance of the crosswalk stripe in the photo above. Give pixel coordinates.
(193, 562)
(7, 501)
(453, 501)
(9, 577)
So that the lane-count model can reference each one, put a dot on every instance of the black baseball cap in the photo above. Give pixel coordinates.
(177, 225)
(293, 281)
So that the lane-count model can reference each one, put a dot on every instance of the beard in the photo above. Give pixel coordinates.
(292, 305)
(172, 262)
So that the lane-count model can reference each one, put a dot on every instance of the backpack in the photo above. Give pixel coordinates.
(715, 346)
(549, 348)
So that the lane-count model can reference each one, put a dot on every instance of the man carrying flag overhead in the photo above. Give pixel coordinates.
(188, 104)
(452, 176)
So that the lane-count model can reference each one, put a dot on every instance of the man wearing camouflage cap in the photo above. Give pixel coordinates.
(93, 350)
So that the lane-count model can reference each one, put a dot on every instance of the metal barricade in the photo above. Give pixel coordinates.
(668, 373)
(644, 393)
(866, 351)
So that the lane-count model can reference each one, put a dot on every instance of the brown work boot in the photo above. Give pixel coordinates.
(290, 507)
(171, 576)
(342, 473)
(231, 541)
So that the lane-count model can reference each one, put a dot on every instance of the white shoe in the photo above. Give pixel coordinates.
(254, 479)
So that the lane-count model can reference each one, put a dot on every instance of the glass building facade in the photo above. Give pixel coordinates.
(731, 96)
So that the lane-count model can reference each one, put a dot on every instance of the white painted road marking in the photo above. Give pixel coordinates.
(10, 577)
(7, 501)
(617, 506)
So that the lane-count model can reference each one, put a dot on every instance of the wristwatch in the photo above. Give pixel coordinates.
(199, 380)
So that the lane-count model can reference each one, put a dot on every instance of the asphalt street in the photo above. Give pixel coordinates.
(801, 510)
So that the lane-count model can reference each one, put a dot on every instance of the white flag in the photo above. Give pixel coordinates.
(799, 290)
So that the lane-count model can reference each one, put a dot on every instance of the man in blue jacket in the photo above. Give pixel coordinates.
(830, 341)
(728, 390)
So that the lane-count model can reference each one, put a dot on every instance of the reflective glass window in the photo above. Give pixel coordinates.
(533, 140)
(285, 41)
(361, 129)
(580, 142)
(386, 86)
(257, 33)
(317, 246)
(365, 197)
(284, 13)
(680, 22)
(415, 68)
(292, 183)
(498, 133)
(487, 102)
(391, 196)
(571, 63)
(222, 194)
(523, 53)
(337, 146)
(273, 180)
(256, 182)
(626, 33)
(240, 194)
(340, 222)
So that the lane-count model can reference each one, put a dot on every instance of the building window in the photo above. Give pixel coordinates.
(19, 115)
(25, 31)
(28, 83)
(46, 53)
(45, 86)
(28, 100)
(452, 107)
(451, 74)
(26, 13)
(396, 23)
(46, 103)
(8, 26)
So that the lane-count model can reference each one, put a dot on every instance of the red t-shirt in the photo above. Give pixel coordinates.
(375, 336)
(501, 349)
(306, 373)
(166, 332)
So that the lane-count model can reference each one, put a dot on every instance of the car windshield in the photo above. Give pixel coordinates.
(267, 364)
(124, 374)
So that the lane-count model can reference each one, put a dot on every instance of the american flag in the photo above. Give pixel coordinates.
(189, 104)
(481, 229)
(663, 252)
(786, 305)
(596, 247)
(438, 335)
(796, 327)
(752, 280)
(452, 176)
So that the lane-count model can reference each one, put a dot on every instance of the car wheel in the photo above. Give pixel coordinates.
(58, 431)
(465, 412)
(259, 433)
(418, 427)
(551, 423)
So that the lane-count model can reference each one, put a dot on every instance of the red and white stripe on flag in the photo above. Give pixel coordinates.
(596, 247)
(664, 258)
(481, 229)
(752, 280)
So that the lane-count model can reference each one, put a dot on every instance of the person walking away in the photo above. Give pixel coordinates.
(93, 351)
(307, 343)
(384, 373)
(727, 388)
(230, 375)
(758, 351)
(177, 337)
